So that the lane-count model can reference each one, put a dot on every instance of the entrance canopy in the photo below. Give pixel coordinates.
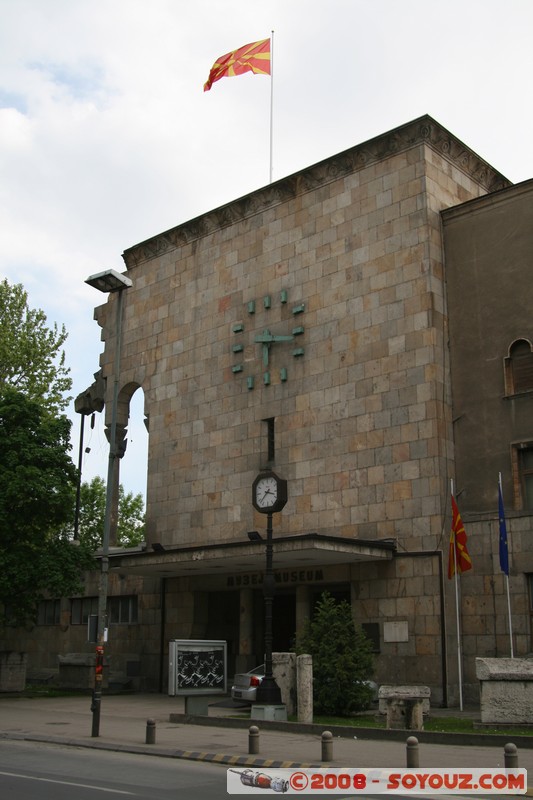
(305, 551)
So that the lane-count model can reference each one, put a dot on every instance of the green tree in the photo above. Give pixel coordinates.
(130, 527)
(31, 358)
(342, 658)
(37, 477)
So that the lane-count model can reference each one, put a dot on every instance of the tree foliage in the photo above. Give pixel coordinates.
(130, 526)
(342, 658)
(31, 358)
(37, 477)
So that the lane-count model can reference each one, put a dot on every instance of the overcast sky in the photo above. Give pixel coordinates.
(107, 137)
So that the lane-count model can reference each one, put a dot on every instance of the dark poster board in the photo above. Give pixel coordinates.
(197, 666)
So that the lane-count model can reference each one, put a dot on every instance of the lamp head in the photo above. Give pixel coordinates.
(109, 281)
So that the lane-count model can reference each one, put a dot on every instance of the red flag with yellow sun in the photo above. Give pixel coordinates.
(254, 57)
(459, 558)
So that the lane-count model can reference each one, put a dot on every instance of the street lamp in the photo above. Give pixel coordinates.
(108, 281)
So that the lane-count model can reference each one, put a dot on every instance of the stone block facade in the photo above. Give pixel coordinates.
(363, 416)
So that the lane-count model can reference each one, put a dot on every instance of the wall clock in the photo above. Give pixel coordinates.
(269, 492)
(279, 338)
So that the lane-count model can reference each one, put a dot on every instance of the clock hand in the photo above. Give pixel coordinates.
(268, 338)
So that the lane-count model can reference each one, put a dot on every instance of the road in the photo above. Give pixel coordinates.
(41, 771)
(35, 771)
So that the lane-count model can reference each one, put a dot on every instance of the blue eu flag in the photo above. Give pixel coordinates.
(504, 550)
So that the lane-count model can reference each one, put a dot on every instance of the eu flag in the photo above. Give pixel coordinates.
(504, 550)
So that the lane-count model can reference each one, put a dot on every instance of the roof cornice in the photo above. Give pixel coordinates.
(423, 130)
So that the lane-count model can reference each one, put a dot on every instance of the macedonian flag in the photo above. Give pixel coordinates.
(254, 57)
(459, 557)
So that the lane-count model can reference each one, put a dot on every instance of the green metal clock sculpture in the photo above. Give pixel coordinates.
(266, 339)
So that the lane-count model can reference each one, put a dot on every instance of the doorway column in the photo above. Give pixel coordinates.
(303, 607)
(243, 660)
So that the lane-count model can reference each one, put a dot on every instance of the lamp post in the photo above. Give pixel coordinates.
(269, 495)
(268, 691)
(109, 281)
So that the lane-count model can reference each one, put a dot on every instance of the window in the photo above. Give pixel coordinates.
(48, 612)
(270, 438)
(530, 588)
(519, 368)
(122, 610)
(525, 472)
(371, 631)
(81, 608)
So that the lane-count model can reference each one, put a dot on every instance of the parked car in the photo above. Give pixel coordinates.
(245, 684)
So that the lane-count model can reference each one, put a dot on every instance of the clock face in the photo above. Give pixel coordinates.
(272, 344)
(269, 493)
(266, 492)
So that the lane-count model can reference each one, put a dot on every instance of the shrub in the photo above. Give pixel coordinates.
(342, 659)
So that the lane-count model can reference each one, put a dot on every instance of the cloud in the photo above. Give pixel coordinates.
(107, 138)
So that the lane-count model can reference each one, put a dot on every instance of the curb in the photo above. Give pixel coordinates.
(165, 752)
(344, 732)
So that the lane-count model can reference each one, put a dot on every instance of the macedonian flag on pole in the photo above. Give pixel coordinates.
(254, 57)
(459, 558)
(458, 561)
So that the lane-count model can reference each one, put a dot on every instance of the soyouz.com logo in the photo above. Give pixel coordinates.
(377, 781)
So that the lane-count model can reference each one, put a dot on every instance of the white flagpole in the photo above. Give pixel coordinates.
(509, 611)
(506, 574)
(457, 620)
(271, 102)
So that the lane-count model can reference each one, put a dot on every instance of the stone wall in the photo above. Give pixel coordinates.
(363, 420)
(506, 690)
(133, 650)
(12, 671)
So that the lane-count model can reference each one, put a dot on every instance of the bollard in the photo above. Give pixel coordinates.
(510, 756)
(253, 740)
(327, 746)
(412, 752)
(150, 731)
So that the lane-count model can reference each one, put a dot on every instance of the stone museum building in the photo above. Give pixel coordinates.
(364, 328)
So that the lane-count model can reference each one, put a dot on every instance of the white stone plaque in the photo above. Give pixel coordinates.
(395, 631)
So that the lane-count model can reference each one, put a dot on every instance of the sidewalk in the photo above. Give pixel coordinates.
(222, 736)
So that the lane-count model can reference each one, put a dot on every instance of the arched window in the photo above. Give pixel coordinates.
(519, 368)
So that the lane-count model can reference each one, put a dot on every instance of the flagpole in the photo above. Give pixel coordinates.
(506, 573)
(457, 620)
(509, 611)
(271, 102)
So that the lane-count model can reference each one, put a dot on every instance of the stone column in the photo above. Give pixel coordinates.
(304, 687)
(121, 441)
(284, 671)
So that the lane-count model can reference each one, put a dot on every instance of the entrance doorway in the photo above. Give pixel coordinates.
(223, 622)
(283, 623)
(339, 592)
